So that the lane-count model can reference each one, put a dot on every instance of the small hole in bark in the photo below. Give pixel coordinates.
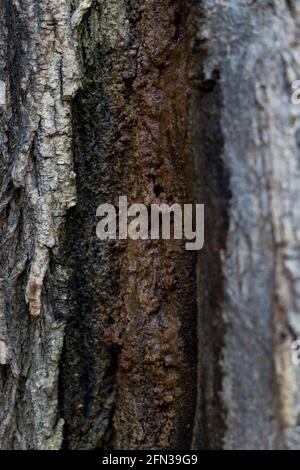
(283, 336)
(209, 85)
(3, 376)
(158, 190)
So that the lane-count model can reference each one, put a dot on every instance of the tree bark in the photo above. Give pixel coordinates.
(141, 344)
(254, 51)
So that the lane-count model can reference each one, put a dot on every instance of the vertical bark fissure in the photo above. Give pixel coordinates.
(88, 366)
(211, 185)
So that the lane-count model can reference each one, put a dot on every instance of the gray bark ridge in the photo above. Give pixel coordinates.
(39, 77)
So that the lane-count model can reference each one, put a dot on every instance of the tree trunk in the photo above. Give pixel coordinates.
(141, 344)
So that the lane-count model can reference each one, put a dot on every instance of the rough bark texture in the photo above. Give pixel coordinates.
(39, 79)
(254, 50)
(141, 344)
